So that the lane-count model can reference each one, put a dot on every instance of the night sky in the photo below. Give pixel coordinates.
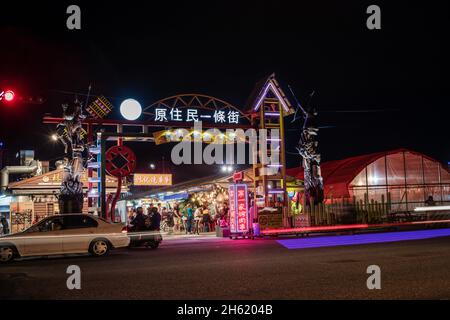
(148, 52)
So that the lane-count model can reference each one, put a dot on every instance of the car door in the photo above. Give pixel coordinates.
(79, 231)
(44, 238)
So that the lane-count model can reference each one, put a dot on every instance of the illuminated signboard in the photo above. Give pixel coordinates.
(242, 208)
(150, 179)
(239, 213)
(232, 209)
(224, 116)
(238, 176)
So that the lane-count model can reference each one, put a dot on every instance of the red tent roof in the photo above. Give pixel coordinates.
(337, 174)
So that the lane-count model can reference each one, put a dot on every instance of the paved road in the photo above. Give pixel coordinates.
(243, 269)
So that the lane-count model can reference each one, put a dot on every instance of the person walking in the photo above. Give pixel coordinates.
(138, 222)
(160, 208)
(131, 215)
(190, 218)
(197, 219)
(155, 218)
(177, 218)
(206, 220)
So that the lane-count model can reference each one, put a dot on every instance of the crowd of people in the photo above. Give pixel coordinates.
(187, 218)
(140, 221)
(196, 219)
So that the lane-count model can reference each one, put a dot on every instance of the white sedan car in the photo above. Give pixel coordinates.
(63, 234)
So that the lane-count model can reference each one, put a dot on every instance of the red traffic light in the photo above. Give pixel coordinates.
(9, 95)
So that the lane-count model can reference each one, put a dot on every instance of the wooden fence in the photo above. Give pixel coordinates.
(349, 211)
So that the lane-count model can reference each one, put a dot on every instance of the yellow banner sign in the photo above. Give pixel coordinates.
(150, 179)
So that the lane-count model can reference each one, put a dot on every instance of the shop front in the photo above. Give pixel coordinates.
(35, 198)
(173, 201)
(220, 196)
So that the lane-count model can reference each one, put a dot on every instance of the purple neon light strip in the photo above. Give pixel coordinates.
(332, 241)
(272, 114)
(269, 85)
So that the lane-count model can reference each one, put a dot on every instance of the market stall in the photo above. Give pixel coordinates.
(213, 193)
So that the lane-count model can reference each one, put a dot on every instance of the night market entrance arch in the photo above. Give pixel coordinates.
(267, 108)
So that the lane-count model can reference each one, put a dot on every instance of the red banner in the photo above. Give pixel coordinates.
(239, 219)
(242, 207)
(232, 200)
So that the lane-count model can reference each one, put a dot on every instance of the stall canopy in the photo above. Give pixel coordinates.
(182, 190)
(381, 169)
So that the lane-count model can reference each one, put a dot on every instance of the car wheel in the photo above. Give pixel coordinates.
(99, 247)
(6, 254)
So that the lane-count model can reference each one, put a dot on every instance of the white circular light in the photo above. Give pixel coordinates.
(130, 109)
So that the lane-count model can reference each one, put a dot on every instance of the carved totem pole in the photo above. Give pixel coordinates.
(69, 133)
(309, 150)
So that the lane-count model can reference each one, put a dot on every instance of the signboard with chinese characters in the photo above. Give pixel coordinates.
(239, 211)
(150, 179)
(232, 207)
(222, 116)
(242, 208)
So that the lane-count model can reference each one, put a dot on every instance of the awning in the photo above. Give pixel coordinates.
(176, 196)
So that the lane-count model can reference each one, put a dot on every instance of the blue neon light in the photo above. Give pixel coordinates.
(332, 241)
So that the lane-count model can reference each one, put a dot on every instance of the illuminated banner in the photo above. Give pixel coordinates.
(215, 137)
(224, 116)
(242, 208)
(239, 211)
(150, 179)
(232, 209)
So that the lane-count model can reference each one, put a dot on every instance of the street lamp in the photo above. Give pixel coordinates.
(227, 168)
(152, 166)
